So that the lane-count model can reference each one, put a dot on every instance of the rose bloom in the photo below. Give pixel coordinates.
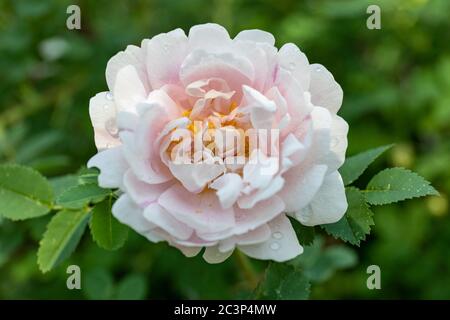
(175, 88)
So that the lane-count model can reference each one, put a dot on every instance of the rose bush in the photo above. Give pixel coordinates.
(175, 88)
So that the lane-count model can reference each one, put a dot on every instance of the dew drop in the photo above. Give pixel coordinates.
(318, 69)
(274, 246)
(109, 96)
(277, 235)
(111, 127)
(292, 65)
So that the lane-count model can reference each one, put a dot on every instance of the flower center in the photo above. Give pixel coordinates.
(215, 137)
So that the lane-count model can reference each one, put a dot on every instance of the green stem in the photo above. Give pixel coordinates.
(246, 268)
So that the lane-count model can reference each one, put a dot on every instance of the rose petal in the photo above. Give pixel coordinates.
(256, 35)
(228, 188)
(128, 212)
(208, 36)
(329, 204)
(261, 213)
(165, 53)
(158, 216)
(134, 56)
(282, 246)
(103, 117)
(143, 193)
(258, 235)
(213, 255)
(112, 165)
(128, 89)
(325, 91)
(301, 185)
(195, 176)
(199, 211)
(292, 59)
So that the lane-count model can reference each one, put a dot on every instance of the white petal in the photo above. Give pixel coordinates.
(228, 188)
(209, 36)
(158, 216)
(295, 95)
(261, 213)
(260, 169)
(112, 165)
(189, 252)
(165, 53)
(143, 193)
(133, 56)
(329, 204)
(325, 91)
(103, 116)
(263, 57)
(292, 59)
(301, 186)
(321, 129)
(127, 121)
(199, 211)
(261, 109)
(256, 36)
(258, 235)
(128, 89)
(249, 201)
(213, 255)
(196, 176)
(139, 150)
(236, 70)
(127, 212)
(161, 98)
(338, 145)
(293, 149)
(282, 246)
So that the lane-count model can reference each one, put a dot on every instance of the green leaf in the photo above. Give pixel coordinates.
(24, 193)
(320, 262)
(397, 184)
(106, 231)
(133, 287)
(305, 235)
(62, 183)
(79, 196)
(88, 175)
(355, 224)
(355, 166)
(61, 237)
(283, 282)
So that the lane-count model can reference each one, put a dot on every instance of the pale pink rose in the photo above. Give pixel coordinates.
(224, 200)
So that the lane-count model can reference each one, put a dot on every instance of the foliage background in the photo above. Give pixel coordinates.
(396, 84)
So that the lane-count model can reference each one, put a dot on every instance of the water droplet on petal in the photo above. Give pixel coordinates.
(111, 127)
(274, 246)
(109, 96)
(318, 68)
(277, 235)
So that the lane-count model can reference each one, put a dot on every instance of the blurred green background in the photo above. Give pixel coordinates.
(396, 84)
